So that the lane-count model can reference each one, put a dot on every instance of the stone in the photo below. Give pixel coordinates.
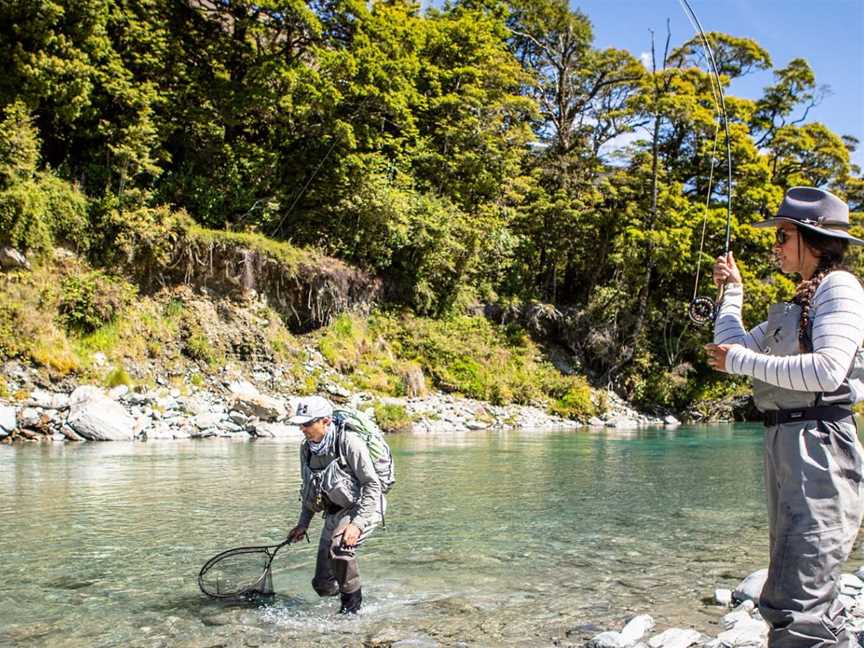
(238, 417)
(477, 425)
(723, 596)
(12, 259)
(636, 628)
(84, 393)
(8, 419)
(118, 392)
(675, 638)
(749, 633)
(735, 617)
(750, 587)
(70, 434)
(337, 390)
(851, 584)
(610, 639)
(596, 422)
(48, 400)
(622, 423)
(671, 420)
(29, 417)
(242, 388)
(101, 419)
(263, 407)
(278, 430)
(207, 420)
(99, 359)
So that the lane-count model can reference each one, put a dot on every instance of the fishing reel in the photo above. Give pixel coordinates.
(702, 311)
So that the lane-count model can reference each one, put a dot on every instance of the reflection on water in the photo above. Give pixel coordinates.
(492, 538)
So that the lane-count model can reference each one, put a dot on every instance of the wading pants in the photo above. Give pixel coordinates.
(813, 472)
(336, 566)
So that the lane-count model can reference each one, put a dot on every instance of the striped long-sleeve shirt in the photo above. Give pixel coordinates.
(837, 313)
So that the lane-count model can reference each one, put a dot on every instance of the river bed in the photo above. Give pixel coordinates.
(493, 538)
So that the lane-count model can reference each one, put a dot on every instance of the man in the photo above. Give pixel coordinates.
(339, 479)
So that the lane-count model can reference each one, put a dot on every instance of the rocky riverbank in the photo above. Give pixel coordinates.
(741, 627)
(237, 406)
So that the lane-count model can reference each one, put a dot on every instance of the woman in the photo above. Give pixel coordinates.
(807, 367)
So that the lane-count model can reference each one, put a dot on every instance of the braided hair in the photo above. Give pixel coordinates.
(830, 251)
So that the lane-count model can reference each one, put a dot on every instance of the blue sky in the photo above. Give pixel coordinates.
(829, 34)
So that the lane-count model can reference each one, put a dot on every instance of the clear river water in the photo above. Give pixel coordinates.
(493, 539)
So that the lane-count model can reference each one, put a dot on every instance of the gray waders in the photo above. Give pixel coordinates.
(336, 567)
(813, 480)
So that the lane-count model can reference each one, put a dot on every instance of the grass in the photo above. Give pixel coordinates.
(463, 355)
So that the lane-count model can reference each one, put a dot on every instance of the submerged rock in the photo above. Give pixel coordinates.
(751, 587)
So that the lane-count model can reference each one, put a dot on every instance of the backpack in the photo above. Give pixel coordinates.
(361, 425)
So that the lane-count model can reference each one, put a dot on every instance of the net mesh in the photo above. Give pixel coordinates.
(243, 572)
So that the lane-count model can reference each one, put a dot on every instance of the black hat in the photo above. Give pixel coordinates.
(815, 209)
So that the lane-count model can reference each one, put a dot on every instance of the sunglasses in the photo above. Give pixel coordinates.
(310, 422)
(781, 236)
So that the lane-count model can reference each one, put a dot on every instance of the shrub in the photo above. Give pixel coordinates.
(576, 403)
(117, 376)
(91, 300)
(392, 417)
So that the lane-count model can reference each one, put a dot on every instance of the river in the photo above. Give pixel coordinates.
(492, 539)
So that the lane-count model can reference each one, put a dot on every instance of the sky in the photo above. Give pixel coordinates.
(828, 34)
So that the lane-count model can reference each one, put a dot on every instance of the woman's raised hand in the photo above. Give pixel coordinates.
(726, 271)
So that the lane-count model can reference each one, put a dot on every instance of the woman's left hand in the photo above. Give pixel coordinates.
(717, 355)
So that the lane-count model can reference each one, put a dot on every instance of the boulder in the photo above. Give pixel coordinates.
(48, 400)
(750, 633)
(12, 259)
(84, 393)
(263, 407)
(675, 638)
(610, 639)
(671, 421)
(723, 596)
(8, 420)
(207, 420)
(622, 423)
(101, 419)
(636, 628)
(242, 388)
(278, 430)
(751, 587)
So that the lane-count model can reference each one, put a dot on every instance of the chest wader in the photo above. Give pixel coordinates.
(334, 491)
(813, 481)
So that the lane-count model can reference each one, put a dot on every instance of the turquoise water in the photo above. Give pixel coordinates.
(510, 538)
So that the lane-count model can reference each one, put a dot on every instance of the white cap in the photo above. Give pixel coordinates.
(311, 408)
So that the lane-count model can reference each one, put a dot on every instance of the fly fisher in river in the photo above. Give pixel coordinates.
(807, 366)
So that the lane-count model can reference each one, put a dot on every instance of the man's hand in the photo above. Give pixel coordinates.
(717, 355)
(350, 536)
(726, 271)
(297, 534)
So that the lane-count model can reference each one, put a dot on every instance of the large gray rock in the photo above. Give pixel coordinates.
(99, 418)
(207, 420)
(48, 400)
(751, 587)
(278, 430)
(84, 393)
(12, 259)
(263, 407)
(750, 633)
(675, 638)
(8, 420)
(636, 628)
(610, 639)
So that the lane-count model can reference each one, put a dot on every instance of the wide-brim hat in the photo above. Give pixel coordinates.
(814, 209)
(310, 408)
